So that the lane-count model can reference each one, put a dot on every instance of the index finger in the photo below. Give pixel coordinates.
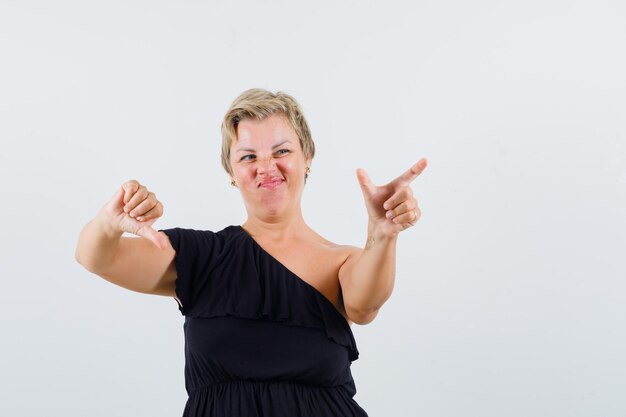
(130, 190)
(412, 173)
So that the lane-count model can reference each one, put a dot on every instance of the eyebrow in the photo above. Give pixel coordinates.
(273, 147)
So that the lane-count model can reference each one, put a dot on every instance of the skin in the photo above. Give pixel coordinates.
(356, 280)
(268, 166)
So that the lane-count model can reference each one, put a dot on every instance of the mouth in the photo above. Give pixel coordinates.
(271, 183)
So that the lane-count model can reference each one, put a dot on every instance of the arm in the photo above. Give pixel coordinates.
(144, 264)
(367, 276)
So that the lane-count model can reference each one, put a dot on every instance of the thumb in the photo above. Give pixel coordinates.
(115, 203)
(117, 196)
(152, 235)
(364, 181)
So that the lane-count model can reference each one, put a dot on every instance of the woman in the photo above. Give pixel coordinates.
(268, 304)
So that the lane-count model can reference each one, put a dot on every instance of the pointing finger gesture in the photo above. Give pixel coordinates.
(409, 175)
(391, 207)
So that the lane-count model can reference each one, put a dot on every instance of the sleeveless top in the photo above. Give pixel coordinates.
(259, 340)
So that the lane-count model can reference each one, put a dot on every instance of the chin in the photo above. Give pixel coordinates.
(273, 207)
(270, 204)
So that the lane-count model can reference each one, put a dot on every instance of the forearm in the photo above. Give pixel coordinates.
(372, 277)
(97, 245)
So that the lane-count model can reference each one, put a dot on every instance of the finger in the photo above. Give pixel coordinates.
(155, 237)
(398, 197)
(119, 193)
(116, 199)
(364, 181)
(412, 173)
(136, 199)
(404, 207)
(130, 188)
(155, 213)
(410, 217)
(143, 207)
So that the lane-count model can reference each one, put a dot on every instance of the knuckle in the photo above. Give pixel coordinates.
(131, 184)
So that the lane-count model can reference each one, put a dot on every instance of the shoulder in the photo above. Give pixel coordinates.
(188, 231)
(196, 239)
(345, 253)
(346, 256)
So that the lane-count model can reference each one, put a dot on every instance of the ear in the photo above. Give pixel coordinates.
(307, 164)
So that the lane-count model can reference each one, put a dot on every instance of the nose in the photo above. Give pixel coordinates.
(267, 164)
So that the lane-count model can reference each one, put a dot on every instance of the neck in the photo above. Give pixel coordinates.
(276, 228)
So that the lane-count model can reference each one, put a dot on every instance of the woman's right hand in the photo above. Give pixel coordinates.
(133, 209)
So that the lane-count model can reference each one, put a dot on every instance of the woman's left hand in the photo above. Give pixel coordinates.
(391, 208)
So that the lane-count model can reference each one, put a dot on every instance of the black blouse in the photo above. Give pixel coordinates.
(259, 340)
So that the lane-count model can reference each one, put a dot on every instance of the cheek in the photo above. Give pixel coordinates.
(290, 165)
(242, 170)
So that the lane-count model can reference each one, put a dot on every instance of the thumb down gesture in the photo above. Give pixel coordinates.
(133, 209)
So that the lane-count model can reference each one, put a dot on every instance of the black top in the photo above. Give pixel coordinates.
(259, 340)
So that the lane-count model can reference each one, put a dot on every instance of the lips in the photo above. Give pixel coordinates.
(271, 183)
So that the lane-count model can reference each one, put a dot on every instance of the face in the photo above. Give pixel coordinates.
(268, 165)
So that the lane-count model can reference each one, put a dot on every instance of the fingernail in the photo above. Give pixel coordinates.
(389, 214)
(386, 206)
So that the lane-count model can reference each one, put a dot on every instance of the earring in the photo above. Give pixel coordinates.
(233, 183)
(308, 171)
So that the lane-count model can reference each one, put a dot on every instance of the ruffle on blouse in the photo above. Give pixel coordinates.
(242, 280)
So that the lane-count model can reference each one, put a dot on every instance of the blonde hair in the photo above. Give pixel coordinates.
(258, 104)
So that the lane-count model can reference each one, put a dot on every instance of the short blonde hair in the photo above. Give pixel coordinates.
(258, 104)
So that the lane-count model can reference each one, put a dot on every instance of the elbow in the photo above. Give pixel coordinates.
(364, 313)
(362, 316)
(81, 254)
(85, 262)
(80, 258)
(77, 256)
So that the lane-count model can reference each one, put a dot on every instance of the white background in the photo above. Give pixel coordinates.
(510, 297)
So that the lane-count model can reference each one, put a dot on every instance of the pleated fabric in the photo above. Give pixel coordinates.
(259, 340)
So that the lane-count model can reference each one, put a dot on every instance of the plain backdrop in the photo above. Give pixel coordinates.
(510, 297)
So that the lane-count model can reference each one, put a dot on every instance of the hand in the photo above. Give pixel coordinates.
(391, 208)
(134, 209)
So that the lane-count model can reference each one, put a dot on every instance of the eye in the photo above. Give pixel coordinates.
(245, 157)
(283, 151)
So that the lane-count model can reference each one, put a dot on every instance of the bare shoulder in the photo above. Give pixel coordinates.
(346, 256)
(344, 252)
(343, 257)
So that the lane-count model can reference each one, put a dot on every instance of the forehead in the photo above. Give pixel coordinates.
(265, 132)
